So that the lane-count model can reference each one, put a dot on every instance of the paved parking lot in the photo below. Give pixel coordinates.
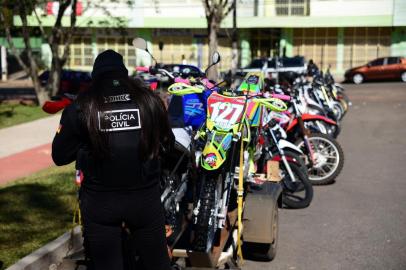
(360, 221)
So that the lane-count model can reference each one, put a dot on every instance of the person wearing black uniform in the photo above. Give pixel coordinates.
(312, 69)
(116, 131)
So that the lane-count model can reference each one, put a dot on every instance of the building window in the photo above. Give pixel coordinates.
(79, 56)
(292, 7)
(318, 44)
(120, 45)
(364, 44)
(265, 42)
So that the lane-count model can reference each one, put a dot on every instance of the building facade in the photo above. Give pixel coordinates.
(336, 33)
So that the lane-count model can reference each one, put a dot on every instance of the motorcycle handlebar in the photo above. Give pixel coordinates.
(281, 97)
(178, 79)
(143, 69)
(154, 70)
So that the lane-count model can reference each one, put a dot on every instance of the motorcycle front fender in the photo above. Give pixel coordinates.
(339, 86)
(310, 117)
(286, 145)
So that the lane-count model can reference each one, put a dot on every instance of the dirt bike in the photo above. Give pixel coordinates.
(297, 189)
(337, 90)
(324, 155)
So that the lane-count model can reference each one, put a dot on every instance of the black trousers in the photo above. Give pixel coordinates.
(141, 210)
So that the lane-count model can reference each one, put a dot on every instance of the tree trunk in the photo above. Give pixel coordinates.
(55, 72)
(42, 94)
(213, 47)
(234, 60)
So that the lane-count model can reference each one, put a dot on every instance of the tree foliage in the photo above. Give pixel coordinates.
(58, 37)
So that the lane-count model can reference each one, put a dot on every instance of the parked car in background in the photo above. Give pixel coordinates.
(378, 69)
(272, 66)
(185, 70)
(72, 81)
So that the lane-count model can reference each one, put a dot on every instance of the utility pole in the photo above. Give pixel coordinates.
(234, 61)
(3, 63)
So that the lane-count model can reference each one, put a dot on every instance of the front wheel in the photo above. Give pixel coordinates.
(338, 110)
(299, 193)
(206, 214)
(328, 158)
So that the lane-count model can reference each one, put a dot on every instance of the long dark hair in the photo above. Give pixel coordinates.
(154, 120)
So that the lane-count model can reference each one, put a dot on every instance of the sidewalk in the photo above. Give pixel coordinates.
(25, 83)
(26, 148)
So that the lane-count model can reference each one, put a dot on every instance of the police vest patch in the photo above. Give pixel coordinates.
(118, 120)
(118, 98)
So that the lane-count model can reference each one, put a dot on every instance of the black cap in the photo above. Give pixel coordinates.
(108, 61)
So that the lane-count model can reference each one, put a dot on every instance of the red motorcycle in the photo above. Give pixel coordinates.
(324, 155)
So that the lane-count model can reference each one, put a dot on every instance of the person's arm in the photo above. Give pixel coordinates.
(67, 139)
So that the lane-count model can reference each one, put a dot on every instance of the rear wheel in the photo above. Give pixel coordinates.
(357, 78)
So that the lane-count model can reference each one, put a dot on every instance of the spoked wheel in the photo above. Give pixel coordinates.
(338, 110)
(299, 193)
(206, 220)
(328, 158)
(346, 100)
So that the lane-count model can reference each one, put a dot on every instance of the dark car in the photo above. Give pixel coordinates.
(385, 68)
(72, 81)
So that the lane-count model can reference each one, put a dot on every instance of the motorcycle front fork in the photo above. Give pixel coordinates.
(287, 166)
(305, 132)
(283, 157)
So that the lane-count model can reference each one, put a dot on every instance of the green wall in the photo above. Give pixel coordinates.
(243, 22)
(19, 43)
(143, 58)
(398, 47)
(286, 42)
(245, 48)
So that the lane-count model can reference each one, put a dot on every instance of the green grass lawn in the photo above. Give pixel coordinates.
(35, 210)
(13, 114)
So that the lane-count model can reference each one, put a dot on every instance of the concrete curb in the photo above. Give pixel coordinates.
(50, 254)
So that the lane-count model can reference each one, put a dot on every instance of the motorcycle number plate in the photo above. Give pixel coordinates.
(272, 170)
(225, 111)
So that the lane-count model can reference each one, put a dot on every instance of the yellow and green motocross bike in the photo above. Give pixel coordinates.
(227, 142)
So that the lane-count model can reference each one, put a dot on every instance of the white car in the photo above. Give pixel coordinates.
(295, 65)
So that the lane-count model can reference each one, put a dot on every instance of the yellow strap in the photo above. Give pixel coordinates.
(240, 202)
